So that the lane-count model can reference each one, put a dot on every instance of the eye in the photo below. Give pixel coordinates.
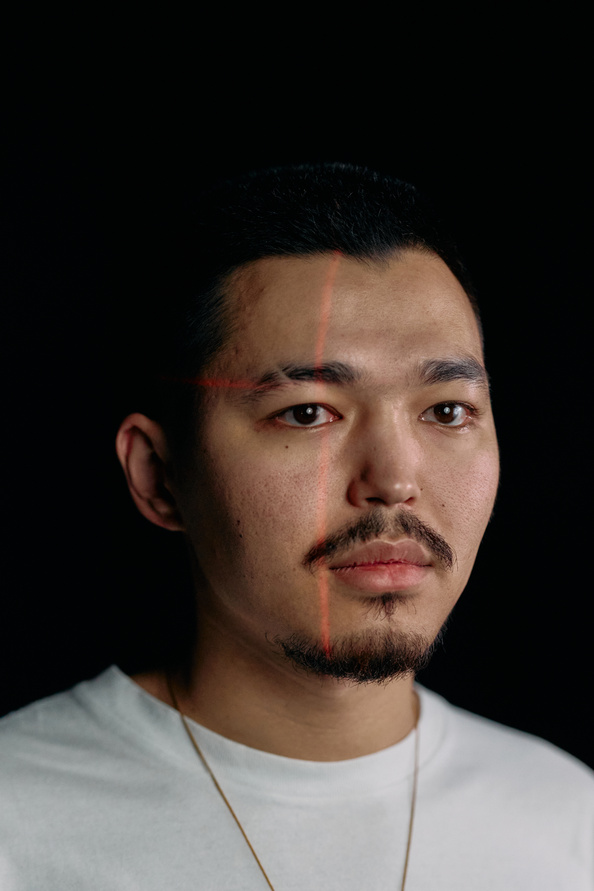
(449, 414)
(309, 414)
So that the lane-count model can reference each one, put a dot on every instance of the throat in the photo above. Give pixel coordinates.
(307, 717)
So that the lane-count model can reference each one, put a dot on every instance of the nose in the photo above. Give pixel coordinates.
(385, 467)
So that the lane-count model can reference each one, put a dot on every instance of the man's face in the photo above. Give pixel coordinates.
(348, 504)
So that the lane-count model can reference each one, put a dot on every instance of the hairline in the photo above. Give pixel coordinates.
(382, 258)
(229, 321)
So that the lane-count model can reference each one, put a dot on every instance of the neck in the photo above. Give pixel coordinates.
(263, 702)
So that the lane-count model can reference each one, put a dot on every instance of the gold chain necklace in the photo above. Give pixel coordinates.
(236, 818)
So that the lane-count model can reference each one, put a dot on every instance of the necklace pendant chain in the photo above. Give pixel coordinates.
(208, 769)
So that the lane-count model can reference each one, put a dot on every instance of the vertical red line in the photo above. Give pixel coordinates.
(325, 307)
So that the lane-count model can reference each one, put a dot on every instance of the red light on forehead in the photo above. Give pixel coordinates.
(223, 383)
(220, 382)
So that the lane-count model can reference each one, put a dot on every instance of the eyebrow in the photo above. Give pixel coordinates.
(328, 373)
(453, 368)
(429, 372)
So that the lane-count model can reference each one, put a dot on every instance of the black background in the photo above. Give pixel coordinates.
(101, 147)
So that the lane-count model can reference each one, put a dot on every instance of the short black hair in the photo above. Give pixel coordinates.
(301, 210)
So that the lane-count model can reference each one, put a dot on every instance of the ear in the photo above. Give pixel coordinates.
(142, 449)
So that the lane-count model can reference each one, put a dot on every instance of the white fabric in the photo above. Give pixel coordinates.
(101, 789)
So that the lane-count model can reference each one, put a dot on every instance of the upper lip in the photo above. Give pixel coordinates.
(402, 551)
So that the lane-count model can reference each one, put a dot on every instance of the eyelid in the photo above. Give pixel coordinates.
(472, 413)
(277, 416)
(471, 410)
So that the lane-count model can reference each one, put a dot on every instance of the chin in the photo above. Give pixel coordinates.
(374, 656)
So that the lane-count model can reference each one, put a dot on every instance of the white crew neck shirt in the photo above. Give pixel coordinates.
(100, 788)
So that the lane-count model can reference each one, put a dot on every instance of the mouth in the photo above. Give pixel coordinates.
(380, 566)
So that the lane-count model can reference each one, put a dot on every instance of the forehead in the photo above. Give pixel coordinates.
(383, 314)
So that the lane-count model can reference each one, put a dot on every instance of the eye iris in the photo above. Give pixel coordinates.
(447, 413)
(305, 414)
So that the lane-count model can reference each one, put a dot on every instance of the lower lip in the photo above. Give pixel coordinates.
(382, 577)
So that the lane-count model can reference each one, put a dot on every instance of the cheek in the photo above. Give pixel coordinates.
(468, 494)
(246, 508)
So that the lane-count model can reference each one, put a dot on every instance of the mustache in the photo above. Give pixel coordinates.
(375, 524)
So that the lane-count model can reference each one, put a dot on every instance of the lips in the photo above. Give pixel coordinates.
(382, 552)
(380, 566)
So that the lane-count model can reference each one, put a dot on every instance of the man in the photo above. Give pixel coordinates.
(320, 432)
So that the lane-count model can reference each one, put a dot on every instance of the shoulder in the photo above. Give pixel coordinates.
(486, 752)
(519, 808)
(56, 730)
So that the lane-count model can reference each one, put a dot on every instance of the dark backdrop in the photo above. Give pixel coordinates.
(92, 164)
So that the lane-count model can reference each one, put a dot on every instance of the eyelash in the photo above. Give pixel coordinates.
(306, 405)
(472, 414)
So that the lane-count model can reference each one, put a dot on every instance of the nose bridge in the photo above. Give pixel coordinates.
(385, 465)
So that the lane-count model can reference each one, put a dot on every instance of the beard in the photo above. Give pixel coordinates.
(374, 656)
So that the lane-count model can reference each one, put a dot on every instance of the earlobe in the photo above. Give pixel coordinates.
(143, 452)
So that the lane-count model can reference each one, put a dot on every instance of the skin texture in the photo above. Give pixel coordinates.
(261, 488)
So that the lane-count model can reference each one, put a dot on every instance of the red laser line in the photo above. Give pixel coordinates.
(325, 307)
(212, 382)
